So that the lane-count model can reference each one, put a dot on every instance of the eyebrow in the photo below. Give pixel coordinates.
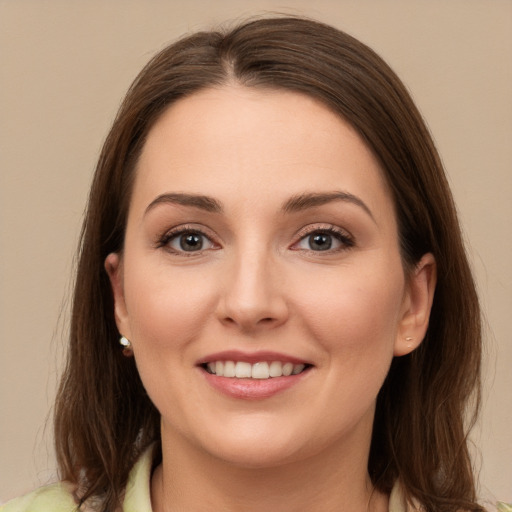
(206, 203)
(295, 204)
(310, 200)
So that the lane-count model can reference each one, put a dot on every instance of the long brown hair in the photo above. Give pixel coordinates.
(104, 418)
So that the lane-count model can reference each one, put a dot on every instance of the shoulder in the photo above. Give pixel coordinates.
(59, 497)
(51, 498)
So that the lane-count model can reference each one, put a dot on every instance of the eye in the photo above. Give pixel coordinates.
(187, 241)
(320, 241)
(323, 240)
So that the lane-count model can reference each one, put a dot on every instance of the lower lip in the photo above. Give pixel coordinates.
(252, 389)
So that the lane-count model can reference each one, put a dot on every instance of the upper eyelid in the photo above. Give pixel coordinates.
(183, 228)
(311, 228)
(173, 232)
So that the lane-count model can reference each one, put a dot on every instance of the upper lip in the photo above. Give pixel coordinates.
(251, 357)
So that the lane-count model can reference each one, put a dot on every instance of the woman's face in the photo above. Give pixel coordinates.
(261, 239)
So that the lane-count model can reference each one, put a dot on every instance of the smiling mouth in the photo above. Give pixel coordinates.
(261, 370)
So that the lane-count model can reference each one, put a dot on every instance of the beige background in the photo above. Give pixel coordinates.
(64, 68)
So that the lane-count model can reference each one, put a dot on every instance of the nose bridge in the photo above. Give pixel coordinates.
(253, 296)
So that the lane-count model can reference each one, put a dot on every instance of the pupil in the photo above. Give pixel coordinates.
(320, 242)
(191, 242)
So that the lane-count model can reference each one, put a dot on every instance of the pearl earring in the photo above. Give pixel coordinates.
(127, 346)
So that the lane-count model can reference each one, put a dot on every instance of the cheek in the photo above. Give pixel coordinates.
(355, 309)
(168, 312)
(166, 308)
(353, 317)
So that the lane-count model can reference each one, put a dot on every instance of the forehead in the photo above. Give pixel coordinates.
(254, 143)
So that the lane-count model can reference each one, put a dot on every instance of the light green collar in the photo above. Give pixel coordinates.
(137, 496)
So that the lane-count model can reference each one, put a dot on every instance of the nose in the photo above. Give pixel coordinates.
(253, 293)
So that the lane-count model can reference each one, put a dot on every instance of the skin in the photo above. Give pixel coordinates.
(258, 283)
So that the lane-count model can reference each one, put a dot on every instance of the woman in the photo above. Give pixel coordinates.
(273, 307)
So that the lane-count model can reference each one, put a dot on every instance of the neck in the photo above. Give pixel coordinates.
(188, 479)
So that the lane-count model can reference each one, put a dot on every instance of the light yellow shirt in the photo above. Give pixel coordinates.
(59, 497)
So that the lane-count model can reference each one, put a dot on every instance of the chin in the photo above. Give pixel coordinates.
(255, 445)
(257, 456)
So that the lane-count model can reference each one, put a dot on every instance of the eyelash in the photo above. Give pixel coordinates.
(346, 241)
(175, 233)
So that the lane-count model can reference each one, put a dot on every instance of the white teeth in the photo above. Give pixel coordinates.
(229, 369)
(287, 369)
(275, 369)
(260, 370)
(242, 370)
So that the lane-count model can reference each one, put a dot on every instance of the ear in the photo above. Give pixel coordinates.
(114, 268)
(418, 298)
